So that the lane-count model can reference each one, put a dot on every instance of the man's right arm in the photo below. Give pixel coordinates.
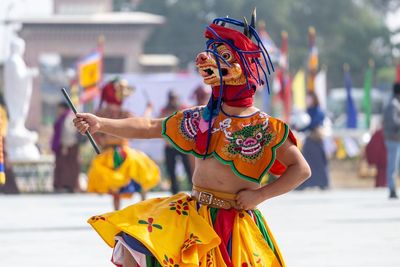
(136, 127)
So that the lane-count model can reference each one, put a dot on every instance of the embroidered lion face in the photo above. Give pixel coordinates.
(208, 68)
(190, 123)
(249, 142)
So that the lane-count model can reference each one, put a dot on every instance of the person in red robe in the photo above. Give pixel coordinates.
(376, 154)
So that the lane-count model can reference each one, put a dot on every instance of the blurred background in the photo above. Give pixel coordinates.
(346, 53)
(152, 44)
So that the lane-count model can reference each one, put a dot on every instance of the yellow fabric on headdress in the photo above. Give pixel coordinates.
(137, 166)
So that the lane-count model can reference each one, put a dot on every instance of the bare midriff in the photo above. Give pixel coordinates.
(212, 174)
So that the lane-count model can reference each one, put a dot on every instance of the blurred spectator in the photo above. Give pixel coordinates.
(120, 170)
(376, 154)
(313, 149)
(201, 95)
(391, 130)
(10, 186)
(171, 154)
(65, 146)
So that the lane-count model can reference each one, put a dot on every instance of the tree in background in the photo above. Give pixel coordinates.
(348, 31)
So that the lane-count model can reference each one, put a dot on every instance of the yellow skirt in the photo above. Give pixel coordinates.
(103, 178)
(178, 231)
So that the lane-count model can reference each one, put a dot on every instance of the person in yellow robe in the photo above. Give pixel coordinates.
(120, 170)
(8, 184)
(235, 145)
(3, 132)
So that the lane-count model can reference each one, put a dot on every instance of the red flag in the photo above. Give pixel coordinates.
(284, 77)
(312, 59)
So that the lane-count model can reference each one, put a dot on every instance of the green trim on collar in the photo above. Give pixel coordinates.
(227, 162)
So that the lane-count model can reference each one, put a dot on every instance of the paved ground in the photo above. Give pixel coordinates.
(339, 228)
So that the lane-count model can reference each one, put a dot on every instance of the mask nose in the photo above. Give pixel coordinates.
(201, 58)
(250, 142)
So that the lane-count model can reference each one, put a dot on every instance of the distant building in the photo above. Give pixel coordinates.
(158, 63)
(75, 7)
(73, 31)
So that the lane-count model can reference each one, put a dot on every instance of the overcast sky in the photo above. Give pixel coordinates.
(29, 8)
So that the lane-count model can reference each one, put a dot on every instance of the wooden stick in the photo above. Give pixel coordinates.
(71, 105)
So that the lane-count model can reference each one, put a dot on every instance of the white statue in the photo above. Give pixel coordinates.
(17, 94)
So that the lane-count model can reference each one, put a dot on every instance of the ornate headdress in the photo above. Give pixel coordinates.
(233, 65)
(115, 91)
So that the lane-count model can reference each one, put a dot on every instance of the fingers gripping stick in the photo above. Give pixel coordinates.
(71, 105)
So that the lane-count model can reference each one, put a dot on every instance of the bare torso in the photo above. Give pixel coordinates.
(212, 174)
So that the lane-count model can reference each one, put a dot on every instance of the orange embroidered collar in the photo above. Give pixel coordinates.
(247, 144)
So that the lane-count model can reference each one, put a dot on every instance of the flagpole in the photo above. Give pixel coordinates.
(285, 79)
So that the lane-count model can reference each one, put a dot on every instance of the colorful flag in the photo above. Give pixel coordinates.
(284, 51)
(74, 92)
(284, 77)
(90, 72)
(351, 109)
(286, 96)
(341, 150)
(320, 88)
(273, 51)
(3, 131)
(312, 66)
(367, 105)
(351, 146)
(267, 41)
(299, 90)
(2, 170)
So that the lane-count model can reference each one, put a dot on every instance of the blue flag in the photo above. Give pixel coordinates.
(351, 109)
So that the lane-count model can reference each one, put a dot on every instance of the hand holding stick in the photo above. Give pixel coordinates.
(71, 105)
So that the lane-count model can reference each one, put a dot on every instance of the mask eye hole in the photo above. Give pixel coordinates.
(259, 136)
(239, 141)
(226, 55)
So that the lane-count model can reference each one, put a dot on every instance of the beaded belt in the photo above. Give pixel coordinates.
(213, 198)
